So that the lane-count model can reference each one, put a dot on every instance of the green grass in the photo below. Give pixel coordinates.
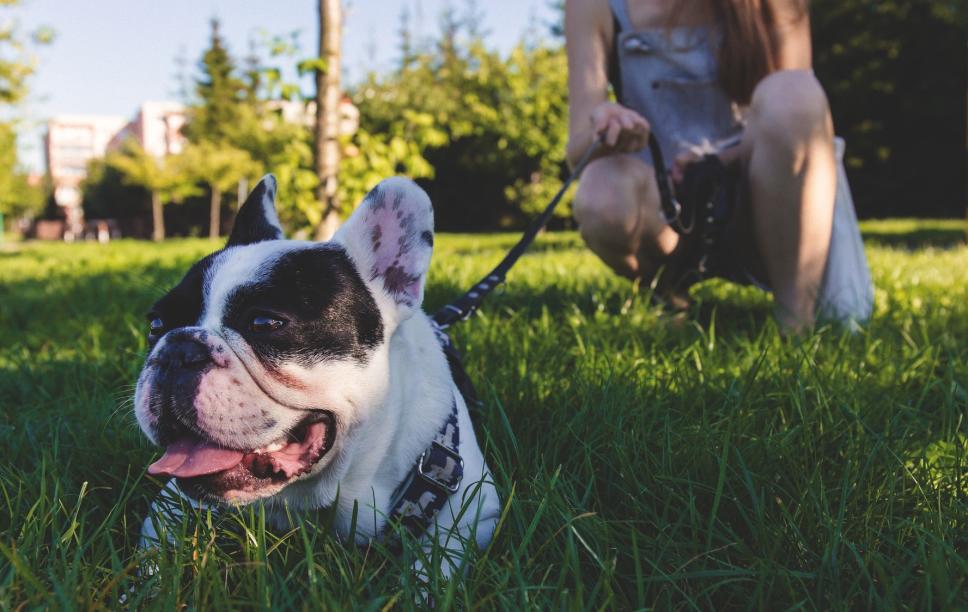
(643, 461)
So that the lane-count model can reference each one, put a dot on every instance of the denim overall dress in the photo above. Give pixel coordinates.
(669, 76)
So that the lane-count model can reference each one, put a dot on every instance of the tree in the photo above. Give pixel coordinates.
(328, 98)
(17, 65)
(164, 179)
(107, 196)
(220, 167)
(219, 94)
(405, 47)
(247, 93)
(489, 129)
(18, 198)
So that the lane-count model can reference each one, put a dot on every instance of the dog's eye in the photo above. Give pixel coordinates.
(155, 327)
(263, 324)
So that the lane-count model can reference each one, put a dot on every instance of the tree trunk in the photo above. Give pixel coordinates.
(327, 116)
(157, 218)
(215, 214)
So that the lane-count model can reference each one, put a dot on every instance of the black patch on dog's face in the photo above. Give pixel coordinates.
(182, 306)
(328, 311)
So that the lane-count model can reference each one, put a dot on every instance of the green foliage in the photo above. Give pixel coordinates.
(493, 129)
(164, 176)
(106, 194)
(368, 158)
(221, 167)
(219, 92)
(17, 63)
(643, 461)
(894, 71)
(292, 163)
(240, 112)
(17, 197)
(235, 130)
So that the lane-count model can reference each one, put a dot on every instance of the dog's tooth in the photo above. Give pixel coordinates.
(269, 448)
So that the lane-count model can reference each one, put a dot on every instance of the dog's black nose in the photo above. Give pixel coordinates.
(185, 353)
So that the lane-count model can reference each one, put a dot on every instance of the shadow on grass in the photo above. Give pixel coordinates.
(916, 237)
(742, 310)
(94, 314)
(522, 298)
(504, 242)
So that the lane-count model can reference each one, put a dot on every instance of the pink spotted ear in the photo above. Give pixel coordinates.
(390, 236)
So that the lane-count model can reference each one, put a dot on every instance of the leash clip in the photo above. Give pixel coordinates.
(459, 316)
(676, 216)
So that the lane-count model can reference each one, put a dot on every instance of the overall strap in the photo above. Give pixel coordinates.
(614, 68)
(620, 10)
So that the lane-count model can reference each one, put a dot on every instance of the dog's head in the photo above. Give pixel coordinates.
(268, 351)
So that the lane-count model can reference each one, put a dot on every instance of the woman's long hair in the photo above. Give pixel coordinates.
(750, 47)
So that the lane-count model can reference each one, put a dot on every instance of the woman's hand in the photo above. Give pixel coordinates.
(621, 129)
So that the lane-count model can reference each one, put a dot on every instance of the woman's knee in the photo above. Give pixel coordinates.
(790, 106)
(607, 201)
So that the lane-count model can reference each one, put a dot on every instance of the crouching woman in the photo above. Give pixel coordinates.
(731, 78)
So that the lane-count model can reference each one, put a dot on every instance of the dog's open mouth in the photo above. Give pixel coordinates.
(207, 471)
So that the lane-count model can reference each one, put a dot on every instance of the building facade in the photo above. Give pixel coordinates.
(70, 143)
(157, 128)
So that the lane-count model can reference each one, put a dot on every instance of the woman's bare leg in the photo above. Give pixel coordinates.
(790, 151)
(617, 208)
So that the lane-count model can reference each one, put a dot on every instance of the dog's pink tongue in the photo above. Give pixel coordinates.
(187, 458)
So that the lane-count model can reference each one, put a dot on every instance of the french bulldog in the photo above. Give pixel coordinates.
(304, 375)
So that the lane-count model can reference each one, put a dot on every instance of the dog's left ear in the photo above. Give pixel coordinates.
(257, 220)
(390, 236)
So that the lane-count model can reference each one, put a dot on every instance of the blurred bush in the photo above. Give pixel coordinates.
(492, 129)
(895, 73)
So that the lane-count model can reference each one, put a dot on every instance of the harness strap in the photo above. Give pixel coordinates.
(434, 477)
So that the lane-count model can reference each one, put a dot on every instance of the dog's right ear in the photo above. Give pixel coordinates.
(390, 236)
(257, 220)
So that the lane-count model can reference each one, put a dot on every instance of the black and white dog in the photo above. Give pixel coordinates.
(305, 375)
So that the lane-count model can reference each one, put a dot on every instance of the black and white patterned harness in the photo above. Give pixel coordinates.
(437, 473)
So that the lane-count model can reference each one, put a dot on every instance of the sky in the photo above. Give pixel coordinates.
(108, 56)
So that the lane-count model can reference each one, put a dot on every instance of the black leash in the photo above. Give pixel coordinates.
(465, 305)
(701, 187)
(671, 209)
(438, 472)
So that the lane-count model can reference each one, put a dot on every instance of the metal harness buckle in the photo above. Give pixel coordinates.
(427, 477)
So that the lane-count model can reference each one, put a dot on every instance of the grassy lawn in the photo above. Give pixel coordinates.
(644, 461)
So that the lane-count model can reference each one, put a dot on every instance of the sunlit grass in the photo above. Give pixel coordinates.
(644, 460)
